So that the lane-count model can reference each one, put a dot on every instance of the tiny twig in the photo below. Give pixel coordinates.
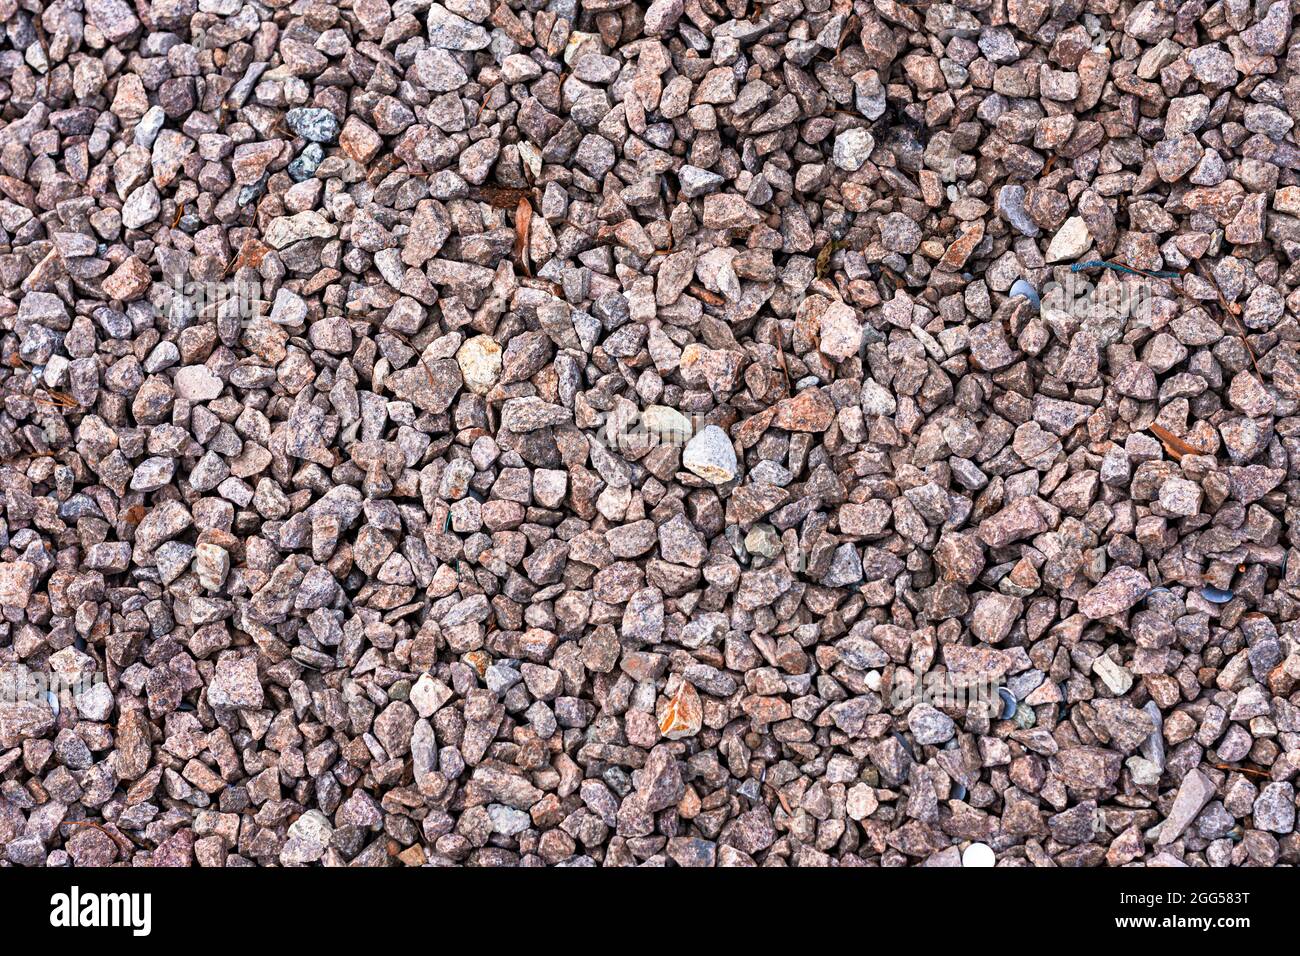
(89, 823)
(1168, 276)
(405, 340)
(1236, 318)
(780, 354)
(1249, 770)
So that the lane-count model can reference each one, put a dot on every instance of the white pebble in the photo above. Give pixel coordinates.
(978, 854)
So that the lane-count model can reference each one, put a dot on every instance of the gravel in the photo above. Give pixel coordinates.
(652, 433)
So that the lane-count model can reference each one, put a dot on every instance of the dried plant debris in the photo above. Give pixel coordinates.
(693, 433)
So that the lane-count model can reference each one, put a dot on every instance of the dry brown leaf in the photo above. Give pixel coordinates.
(523, 222)
(780, 354)
(501, 197)
(785, 804)
(704, 295)
(383, 167)
(56, 399)
(251, 254)
(1173, 444)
